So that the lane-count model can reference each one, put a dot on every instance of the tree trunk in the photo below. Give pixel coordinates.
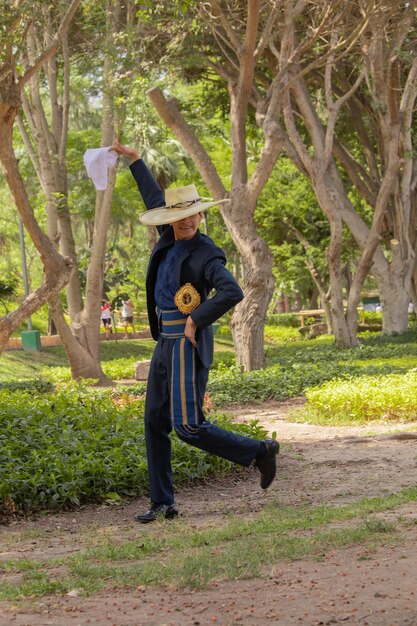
(279, 306)
(49, 159)
(395, 296)
(344, 333)
(83, 363)
(52, 330)
(258, 285)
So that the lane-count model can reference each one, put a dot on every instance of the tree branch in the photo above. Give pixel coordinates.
(179, 127)
(51, 50)
(218, 15)
(265, 37)
(52, 284)
(29, 147)
(240, 95)
(274, 141)
(374, 236)
(357, 174)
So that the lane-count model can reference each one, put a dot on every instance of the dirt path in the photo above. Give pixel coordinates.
(318, 465)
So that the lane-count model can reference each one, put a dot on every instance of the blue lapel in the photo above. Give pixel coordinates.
(166, 239)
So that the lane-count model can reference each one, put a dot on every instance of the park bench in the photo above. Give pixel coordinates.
(318, 314)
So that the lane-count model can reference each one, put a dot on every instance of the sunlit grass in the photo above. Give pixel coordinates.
(27, 365)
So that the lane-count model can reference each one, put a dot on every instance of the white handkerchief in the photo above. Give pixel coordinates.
(97, 162)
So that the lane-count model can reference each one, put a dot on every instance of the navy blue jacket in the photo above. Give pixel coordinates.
(202, 264)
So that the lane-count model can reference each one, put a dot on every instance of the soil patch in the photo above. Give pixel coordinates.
(317, 465)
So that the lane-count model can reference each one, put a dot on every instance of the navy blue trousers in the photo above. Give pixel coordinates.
(158, 425)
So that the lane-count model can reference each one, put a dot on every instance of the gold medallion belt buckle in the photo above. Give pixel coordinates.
(187, 298)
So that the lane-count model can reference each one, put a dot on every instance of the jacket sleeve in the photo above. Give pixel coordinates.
(152, 195)
(228, 293)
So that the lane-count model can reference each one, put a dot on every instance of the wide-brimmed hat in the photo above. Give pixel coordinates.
(180, 202)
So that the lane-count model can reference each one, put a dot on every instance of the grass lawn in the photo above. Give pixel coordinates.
(185, 557)
(23, 365)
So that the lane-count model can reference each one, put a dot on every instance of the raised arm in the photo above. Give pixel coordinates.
(152, 195)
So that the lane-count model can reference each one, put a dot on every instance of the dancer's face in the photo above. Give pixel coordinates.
(187, 227)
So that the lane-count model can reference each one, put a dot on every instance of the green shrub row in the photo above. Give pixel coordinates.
(40, 385)
(281, 334)
(293, 367)
(283, 319)
(369, 317)
(77, 445)
(392, 397)
(231, 385)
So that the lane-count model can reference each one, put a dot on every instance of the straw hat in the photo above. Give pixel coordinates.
(180, 202)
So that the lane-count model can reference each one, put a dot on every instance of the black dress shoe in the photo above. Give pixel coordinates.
(267, 463)
(169, 511)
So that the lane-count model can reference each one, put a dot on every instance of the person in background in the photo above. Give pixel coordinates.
(184, 267)
(127, 316)
(106, 317)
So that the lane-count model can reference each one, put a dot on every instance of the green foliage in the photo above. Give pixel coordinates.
(286, 208)
(283, 319)
(232, 385)
(281, 334)
(74, 445)
(39, 385)
(223, 359)
(294, 366)
(224, 331)
(392, 397)
(120, 368)
(369, 317)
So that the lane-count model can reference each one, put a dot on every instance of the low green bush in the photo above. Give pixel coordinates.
(224, 330)
(283, 319)
(392, 397)
(57, 374)
(294, 366)
(36, 384)
(76, 445)
(231, 385)
(281, 334)
(225, 358)
(120, 368)
(369, 317)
